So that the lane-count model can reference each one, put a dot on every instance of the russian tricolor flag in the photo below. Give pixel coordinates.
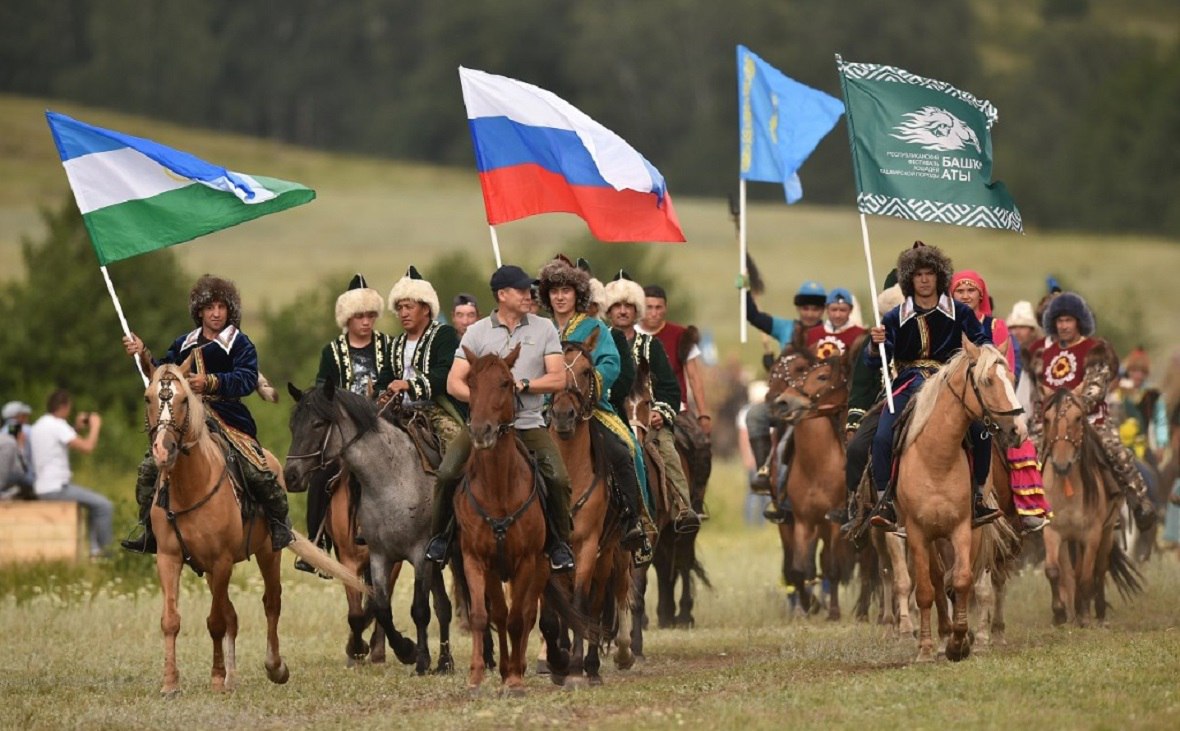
(536, 153)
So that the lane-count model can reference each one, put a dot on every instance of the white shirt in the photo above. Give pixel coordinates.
(50, 438)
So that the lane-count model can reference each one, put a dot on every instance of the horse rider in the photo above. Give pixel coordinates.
(1076, 360)
(565, 291)
(226, 371)
(920, 336)
(810, 300)
(539, 369)
(356, 360)
(1140, 412)
(464, 311)
(866, 392)
(625, 303)
(1024, 474)
(836, 334)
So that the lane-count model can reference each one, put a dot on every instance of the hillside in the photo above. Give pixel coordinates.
(380, 216)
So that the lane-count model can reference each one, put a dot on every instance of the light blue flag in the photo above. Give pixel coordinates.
(780, 122)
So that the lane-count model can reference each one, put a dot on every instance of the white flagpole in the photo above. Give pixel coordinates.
(122, 320)
(495, 246)
(864, 231)
(742, 269)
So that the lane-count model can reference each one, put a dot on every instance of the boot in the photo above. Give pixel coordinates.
(981, 514)
(760, 446)
(686, 521)
(442, 524)
(145, 490)
(265, 487)
(884, 516)
(627, 489)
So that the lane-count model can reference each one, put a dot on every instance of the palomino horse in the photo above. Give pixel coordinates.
(602, 577)
(934, 479)
(502, 534)
(396, 500)
(1079, 542)
(197, 517)
(812, 395)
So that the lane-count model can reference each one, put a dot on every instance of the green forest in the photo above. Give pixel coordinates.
(1088, 92)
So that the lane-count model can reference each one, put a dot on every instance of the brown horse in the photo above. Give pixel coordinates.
(203, 525)
(812, 395)
(934, 479)
(502, 533)
(602, 578)
(1076, 475)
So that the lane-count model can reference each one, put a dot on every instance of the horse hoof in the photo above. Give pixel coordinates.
(474, 691)
(594, 680)
(406, 650)
(925, 656)
(1059, 617)
(624, 662)
(278, 675)
(958, 650)
(558, 679)
(446, 666)
(542, 667)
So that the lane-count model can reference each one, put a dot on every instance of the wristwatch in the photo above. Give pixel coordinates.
(524, 385)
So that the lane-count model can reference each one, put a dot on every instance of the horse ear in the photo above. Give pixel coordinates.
(470, 355)
(296, 394)
(187, 366)
(971, 348)
(592, 341)
(1046, 391)
(511, 359)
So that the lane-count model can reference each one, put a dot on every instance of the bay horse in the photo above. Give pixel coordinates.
(203, 525)
(812, 395)
(396, 498)
(934, 480)
(502, 535)
(1079, 541)
(602, 576)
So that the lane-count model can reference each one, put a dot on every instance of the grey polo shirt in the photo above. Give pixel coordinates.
(537, 337)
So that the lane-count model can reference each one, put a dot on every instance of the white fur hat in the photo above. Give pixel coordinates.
(623, 290)
(357, 299)
(889, 298)
(1023, 316)
(598, 295)
(414, 287)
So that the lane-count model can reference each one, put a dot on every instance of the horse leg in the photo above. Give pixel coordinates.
(442, 612)
(526, 596)
(557, 663)
(583, 581)
(169, 567)
(272, 605)
(403, 648)
(665, 581)
(638, 609)
(355, 649)
(920, 550)
(984, 601)
(420, 613)
(1086, 571)
(498, 617)
(377, 640)
(685, 619)
(477, 619)
(1100, 568)
(624, 656)
(958, 646)
(1053, 548)
(802, 559)
(832, 570)
(219, 607)
(903, 583)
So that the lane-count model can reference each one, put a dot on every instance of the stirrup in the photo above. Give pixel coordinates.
(436, 550)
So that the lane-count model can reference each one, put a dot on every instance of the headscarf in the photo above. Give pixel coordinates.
(968, 275)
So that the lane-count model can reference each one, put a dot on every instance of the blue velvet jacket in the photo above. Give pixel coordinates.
(918, 341)
(233, 362)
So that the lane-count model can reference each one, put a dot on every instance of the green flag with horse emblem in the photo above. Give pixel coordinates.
(922, 149)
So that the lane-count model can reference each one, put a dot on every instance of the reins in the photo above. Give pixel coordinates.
(500, 526)
(987, 417)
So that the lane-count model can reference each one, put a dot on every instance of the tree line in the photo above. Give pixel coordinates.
(1090, 109)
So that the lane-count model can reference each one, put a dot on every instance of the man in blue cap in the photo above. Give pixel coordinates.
(839, 330)
(539, 369)
(810, 300)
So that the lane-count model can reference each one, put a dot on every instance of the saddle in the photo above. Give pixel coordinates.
(415, 422)
(697, 449)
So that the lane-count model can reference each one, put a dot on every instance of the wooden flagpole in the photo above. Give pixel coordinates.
(742, 269)
(122, 320)
(864, 231)
(495, 246)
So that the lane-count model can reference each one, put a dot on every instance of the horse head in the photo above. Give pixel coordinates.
(492, 405)
(639, 402)
(576, 401)
(175, 416)
(325, 422)
(988, 392)
(804, 385)
(1065, 427)
(937, 129)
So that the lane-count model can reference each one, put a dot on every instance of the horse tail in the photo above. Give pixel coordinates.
(697, 569)
(558, 596)
(325, 564)
(999, 545)
(1126, 575)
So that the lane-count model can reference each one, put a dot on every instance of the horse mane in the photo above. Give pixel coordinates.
(1092, 460)
(927, 396)
(359, 409)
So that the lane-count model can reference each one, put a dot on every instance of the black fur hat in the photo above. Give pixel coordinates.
(215, 289)
(917, 257)
(561, 272)
(1068, 303)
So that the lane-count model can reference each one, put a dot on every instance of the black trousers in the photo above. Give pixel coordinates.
(859, 448)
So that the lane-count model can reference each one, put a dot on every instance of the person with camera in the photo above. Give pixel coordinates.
(52, 437)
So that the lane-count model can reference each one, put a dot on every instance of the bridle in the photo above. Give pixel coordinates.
(323, 450)
(586, 401)
(1068, 437)
(164, 416)
(988, 417)
(815, 408)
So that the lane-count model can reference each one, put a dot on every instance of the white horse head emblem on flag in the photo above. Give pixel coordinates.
(936, 129)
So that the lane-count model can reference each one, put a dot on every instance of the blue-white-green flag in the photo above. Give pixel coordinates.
(922, 149)
(137, 195)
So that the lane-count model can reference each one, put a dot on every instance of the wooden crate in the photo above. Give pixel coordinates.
(31, 530)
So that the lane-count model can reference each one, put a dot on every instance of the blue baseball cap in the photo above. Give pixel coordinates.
(839, 294)
(811, 293)
(510, 277)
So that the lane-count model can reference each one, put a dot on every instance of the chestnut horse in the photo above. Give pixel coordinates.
(934, 480)
(1079, 542)
(812, 395)
(602, 577)
(203, 524)
(502, 534)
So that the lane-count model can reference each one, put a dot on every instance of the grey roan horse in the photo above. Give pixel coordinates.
(397, 499)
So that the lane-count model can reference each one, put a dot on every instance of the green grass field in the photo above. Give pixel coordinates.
(82, 649)
(380, 216)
